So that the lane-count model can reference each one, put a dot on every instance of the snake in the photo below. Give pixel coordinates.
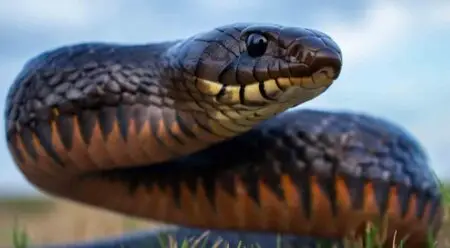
(209, 132)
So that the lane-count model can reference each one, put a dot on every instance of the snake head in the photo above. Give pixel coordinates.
(262, 68)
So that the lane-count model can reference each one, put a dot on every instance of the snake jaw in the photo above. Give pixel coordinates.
(266, 92)
(233, 109)
(239, 107)
(259, 97)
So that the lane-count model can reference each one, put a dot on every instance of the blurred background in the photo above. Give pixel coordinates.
(395, 66)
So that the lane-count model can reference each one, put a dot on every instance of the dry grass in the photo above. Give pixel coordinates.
(58, 221)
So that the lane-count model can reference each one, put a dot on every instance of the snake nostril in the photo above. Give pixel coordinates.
(303, 49)
(295, 50)
(327, 58)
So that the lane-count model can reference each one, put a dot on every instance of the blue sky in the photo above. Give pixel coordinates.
(395, 52)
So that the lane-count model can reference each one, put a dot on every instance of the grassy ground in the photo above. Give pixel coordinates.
(54, 221)
(51, 220)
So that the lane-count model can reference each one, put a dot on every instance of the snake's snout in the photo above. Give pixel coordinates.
(315, 53)
(327, 61)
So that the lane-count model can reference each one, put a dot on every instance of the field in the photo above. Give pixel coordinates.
(52, 220)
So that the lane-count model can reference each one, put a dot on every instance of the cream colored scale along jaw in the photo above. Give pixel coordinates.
(231, 112)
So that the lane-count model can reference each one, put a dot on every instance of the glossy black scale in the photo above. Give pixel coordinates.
(106, 118)
(27, 141)
(44, 134)
(65, 129)
(86, 122)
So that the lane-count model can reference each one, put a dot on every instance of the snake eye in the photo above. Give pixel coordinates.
(256, 44)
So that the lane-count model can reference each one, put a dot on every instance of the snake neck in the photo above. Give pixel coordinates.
(187, 104)
(121, 92)
(99, 93)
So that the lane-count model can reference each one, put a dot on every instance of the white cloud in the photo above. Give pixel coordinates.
(67, 13)
(440, 12)
(384, 23)
(225, 6)
(383, 26)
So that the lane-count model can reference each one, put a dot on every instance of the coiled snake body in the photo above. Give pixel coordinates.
(192, 132)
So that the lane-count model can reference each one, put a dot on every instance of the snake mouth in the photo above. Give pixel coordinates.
(263, 93)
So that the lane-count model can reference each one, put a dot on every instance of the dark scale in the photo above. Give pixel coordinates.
(13, 144)
(169, 119)
(328, 187)
(27, 141)
(382, 192)
(86, 122)
(209, 185)
(44, 134)
(65, 128)
(404, 193)
(228, 183)
(422, 199)
(251, 177)
(272, 179)
(185, 126)
(123, 115)
(106, 117)
(154, 117)
(302, 179)
(140, 114)
(355, 187)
